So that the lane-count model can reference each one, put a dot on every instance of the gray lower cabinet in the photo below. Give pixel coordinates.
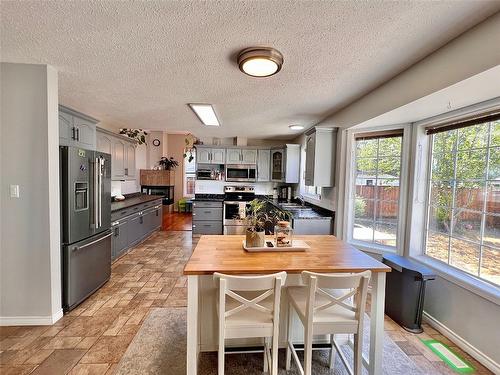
(134, 224)
(207, 217)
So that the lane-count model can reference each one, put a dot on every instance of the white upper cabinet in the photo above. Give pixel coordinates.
(118, 160)
(66, 129)
(218, 155)
(122, 152)
(233, 156)
(321, 145)
(76, 129)
(285, 164)
(263, 165)
(206, 155)
(130, 171)
(203, 155)
(104, 143)
(85, 133)
(248, 156)
(241, 156)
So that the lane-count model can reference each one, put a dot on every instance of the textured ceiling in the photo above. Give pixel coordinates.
(137, 64)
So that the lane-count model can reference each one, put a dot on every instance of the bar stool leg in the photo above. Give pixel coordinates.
(308, 350)
(266, 364)
(332, 351)
(358, 356)
(289, 341)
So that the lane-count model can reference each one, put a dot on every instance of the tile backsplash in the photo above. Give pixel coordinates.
(124, 187)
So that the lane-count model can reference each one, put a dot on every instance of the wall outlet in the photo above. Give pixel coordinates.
(14, 191)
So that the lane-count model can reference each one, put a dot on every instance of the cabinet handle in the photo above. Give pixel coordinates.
(126, 171)
(117, 231)
(73, 133)
(141, 220)
(77, 134)
(194, 214)
(208, 212)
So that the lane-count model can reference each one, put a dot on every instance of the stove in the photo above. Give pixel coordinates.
(236, 201)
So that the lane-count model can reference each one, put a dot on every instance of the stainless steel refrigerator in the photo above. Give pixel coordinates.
(86, 222)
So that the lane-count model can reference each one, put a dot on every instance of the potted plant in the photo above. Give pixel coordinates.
(168, 163)
(256, 218)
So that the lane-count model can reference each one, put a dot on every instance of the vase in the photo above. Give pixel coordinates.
(255, 239)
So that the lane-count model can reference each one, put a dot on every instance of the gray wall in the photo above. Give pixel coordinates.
(30, 281)
(470, 316)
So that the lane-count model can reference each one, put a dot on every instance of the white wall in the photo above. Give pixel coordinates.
(474, 318)
(217, 187)
(471, 53)
(30, 274)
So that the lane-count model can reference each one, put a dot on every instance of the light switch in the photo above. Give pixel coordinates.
(14, 191)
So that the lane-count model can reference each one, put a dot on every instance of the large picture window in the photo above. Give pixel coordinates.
(376, 188)
(463, 224)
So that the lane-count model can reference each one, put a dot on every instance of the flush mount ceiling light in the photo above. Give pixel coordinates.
(260, 61)
(206, 113)
(296, 127)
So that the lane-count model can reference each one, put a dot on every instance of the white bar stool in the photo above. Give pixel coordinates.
(251, 311)
(324, 312)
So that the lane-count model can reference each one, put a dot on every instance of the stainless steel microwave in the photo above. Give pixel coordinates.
(241, 172)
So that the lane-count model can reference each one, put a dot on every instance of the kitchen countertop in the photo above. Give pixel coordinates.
(326, 254)
(133, 201)
(308, 213)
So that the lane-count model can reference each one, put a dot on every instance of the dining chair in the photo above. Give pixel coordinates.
(328, 304)
(248, 306)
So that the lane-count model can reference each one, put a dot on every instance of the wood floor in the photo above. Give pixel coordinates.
(93, 337)
(173, 221)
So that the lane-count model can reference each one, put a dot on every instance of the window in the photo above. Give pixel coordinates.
(313, 191)
(375, 188)
(463, 206)
(189, 173)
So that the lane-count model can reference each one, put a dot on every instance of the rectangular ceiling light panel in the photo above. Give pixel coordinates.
(205, 113)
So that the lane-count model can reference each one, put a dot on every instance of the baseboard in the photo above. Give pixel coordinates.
(31, 320)
(462, 343)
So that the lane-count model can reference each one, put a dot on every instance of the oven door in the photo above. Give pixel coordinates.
(240, 173)
(235, 212)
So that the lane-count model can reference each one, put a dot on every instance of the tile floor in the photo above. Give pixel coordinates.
(92, 338)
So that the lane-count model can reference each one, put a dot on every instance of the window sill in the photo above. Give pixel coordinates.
(462, 279)
(373, 248)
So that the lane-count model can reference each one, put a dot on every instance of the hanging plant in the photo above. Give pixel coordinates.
(138, 135)
(168, 163)
(190, 141)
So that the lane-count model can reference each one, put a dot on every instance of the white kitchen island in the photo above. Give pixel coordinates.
(225, 254)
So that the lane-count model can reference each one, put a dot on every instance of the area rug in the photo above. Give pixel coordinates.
(160, 348)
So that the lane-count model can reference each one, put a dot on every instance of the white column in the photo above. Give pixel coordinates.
(377, 324)
(193, 344)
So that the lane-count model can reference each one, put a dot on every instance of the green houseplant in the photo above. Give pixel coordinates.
(168, 163)
(138, 135)
(256, 219)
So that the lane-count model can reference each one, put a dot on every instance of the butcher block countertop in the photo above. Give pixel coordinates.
(327, 254)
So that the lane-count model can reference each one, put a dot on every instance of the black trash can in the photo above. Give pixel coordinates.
(405, 291)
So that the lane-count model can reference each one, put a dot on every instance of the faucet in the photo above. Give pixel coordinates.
(301, 199)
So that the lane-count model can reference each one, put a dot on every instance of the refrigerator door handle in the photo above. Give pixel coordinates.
(76, 248)
(101, 165)
(96, 193)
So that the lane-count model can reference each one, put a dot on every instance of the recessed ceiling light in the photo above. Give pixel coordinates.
(296, 127)
(205, 113)
(260, 61)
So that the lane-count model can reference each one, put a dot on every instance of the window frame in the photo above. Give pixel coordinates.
(403, 192)
(419, 190)
(450, 236)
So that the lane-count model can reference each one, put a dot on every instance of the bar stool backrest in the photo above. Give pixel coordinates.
(323, 284)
